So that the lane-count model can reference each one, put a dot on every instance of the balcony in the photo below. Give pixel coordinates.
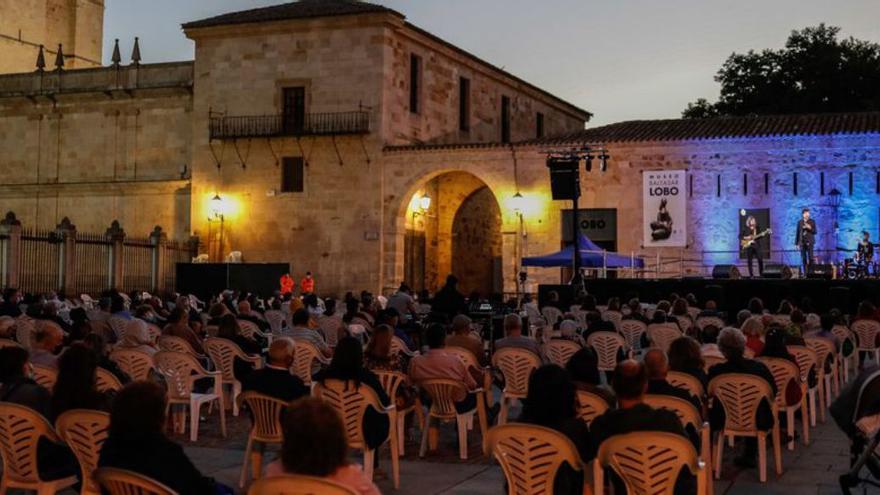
(312, 124)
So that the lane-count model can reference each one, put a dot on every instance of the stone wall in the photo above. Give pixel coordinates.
(438, 119)
(713, 227)
(93, 151)
(25, 24)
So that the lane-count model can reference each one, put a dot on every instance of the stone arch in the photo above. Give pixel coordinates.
(398, 218)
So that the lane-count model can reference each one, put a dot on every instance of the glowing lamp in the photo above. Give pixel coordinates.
(425, 202)
(218, 206)
(517, 202)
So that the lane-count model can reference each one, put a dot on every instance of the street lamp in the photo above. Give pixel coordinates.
(217, 208)
(425, 202)
(517, 202)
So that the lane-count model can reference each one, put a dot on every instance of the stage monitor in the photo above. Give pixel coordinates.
(824, 271)
(725, 271)
(564, 178)
(777, 270)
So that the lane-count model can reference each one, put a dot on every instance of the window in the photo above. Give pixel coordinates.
(464, 104)
(293, 110)
(415, 82)
(539, 125)
(292, 174)
(505, 119)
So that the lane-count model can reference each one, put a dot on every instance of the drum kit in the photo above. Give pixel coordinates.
(860, 267)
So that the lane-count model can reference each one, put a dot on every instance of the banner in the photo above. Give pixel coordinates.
(664, 214)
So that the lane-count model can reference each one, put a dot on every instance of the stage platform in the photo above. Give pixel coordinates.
(733, 295)
(205, 280)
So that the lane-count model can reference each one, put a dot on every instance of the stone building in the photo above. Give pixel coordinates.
(76, 25)
(338, 137)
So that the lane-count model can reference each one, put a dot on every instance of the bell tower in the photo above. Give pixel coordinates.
(76, 25)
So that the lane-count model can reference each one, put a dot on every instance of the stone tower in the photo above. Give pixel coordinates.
(78, 25)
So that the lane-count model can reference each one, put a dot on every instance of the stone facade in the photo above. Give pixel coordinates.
(77, 25)
(98, 145)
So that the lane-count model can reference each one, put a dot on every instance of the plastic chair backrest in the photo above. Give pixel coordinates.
(530, 456)
(517, 366)
(123, 482)
(84, 431)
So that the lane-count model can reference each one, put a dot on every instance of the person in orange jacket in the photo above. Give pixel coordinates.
(287, 284)
(307, 284)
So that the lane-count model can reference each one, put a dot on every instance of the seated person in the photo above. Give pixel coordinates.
(514, 337)
(551, 403)
(630, 384)
(437, 364)
(17, 386)
(583, 367)
(732, 344)
(462, 337)
(635, 311)
(348, 365)
(247, 314)
(137, 442)
(378, 357)
(275, 379)
(178, 326)
(47, 338)
(657, 366)
(302, 332)
(568, 331)
(709, 337)
(685, 357)
(311, 426)
(76, 387)
(391, 318)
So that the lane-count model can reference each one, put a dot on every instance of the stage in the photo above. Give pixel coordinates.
(732, 295)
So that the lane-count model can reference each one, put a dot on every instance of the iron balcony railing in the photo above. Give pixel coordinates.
(311, 124)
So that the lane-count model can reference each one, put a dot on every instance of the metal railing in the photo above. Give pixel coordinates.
(312, 124)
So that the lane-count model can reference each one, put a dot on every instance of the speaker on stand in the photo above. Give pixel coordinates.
(726, 272)
(777, 271)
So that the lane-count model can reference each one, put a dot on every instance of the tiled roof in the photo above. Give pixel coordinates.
(725, 127)
(296, 10)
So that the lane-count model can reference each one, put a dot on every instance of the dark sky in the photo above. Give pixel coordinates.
(621, 59)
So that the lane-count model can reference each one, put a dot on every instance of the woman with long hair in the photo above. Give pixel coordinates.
(685, 357)
(76, 387)
(583, 368)
(315, 445)
(378, 357)
(348, 366)
(551, 403)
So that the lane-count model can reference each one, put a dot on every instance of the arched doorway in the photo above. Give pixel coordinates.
(476, 243)
(453, 225)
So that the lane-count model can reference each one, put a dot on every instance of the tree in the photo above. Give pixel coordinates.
(815, 73)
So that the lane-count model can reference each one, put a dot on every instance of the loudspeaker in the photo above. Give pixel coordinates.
(777, 270)
(725, 271)
(564, 178)
(824, 271)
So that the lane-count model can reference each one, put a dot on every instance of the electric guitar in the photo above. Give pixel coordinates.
(749, 240)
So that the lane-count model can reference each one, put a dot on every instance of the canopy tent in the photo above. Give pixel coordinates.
(592, 256)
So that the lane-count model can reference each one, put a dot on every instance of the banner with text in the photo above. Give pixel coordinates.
(664, 214)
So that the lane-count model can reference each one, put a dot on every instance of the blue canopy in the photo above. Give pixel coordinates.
(591, 257)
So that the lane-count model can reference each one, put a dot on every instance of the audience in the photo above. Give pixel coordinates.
(47, 339)
(315, 444)
(137, 337)
(657, 367)
(685, 357)
(178, 326)
(247, 314)
(709, 337)
(275, 378)
(551, 403)
(753, 329)
(137, 442)
(17, 385)
(462, 337)
(583, 367)
(76, 387)
(732, 344)
(514, 337)
(302, 332)
(348, 366)
(378, 356)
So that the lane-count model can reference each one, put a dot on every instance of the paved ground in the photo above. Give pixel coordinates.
(808, 470)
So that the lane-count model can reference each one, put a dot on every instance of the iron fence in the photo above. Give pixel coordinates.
(39, 261)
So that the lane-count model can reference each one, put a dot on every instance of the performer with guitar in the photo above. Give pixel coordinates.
(750, 242)
(805, 239)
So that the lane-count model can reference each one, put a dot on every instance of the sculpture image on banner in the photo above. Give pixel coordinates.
(664, 213)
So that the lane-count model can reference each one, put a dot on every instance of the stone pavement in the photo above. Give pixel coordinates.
(809, 470)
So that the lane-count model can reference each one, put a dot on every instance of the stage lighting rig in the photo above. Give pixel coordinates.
(564, 166)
